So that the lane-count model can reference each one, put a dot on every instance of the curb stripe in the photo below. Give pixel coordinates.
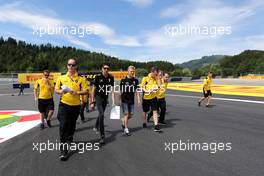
(30, 119)
(8, 112)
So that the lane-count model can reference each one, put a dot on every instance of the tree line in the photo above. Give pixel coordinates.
(247, 62)
(19, 56)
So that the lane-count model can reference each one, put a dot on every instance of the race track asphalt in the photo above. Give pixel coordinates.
(145, 153)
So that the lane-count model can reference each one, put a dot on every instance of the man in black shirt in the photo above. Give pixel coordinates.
(102, 87)
(129, 86)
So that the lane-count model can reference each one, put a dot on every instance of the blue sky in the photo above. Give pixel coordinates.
(137, 29)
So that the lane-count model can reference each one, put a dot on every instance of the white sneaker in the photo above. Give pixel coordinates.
(126, 131)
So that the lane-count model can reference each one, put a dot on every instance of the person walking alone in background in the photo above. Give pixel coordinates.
(207, 90)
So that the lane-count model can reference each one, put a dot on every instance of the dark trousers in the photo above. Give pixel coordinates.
(21, 92)
(67, 116)
(101, 106)
(162, 109)
(82, 110)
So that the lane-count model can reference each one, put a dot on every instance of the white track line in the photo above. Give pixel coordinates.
(221, 99)
(15, 94)
(188, 96)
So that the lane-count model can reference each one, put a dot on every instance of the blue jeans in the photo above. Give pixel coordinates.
(128, 108)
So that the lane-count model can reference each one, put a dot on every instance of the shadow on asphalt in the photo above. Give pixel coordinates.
(170, 123)
(111, 137)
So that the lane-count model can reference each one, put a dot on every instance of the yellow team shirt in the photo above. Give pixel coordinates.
(162, 90)
(85, 97)
(44, 88)
(207, 83)
(148, 83)
(77, 83)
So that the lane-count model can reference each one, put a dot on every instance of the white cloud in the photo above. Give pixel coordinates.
(14, 15)
(77, 42)
(155, 44)
(180, 48)
(140, 3)
(30, 19)
(110, 37)
(199, 15)
(255, 42)
(227, 46)
(173, 11)
(123, 41)
(11, 14)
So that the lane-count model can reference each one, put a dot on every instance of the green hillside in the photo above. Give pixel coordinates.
(18, 56)
(204, 61)
(249, 61)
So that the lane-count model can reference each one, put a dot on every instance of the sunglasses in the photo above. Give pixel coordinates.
(71, 65)
(106, 68)
(46, 75)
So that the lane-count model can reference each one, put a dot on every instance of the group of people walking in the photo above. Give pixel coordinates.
(74, 91)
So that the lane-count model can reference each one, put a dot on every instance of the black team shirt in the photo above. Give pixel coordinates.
(128, 88)
(103, 85)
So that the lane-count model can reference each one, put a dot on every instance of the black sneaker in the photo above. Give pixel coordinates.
(63, 155)
(157, 129)
(48, 123)
(199, 103)
(127, 133)
(42, 126)
(144, 125)
(208, 106)
(82, 120)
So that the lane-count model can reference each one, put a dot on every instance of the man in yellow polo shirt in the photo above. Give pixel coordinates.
(161, 97)
(70, 86)
(207, 90)
(150, 86)
(43, 93)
